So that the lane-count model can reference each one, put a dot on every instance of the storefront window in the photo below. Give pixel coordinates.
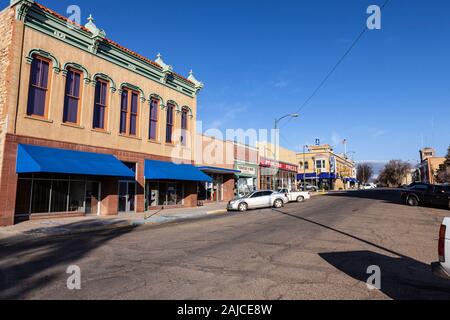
(45, 193)
(164, 194)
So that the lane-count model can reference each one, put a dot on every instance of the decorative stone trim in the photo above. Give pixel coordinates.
(22, 8)
(177, 107)
(135, 88)
(105, 77)
(190, 113)
(45, 54)
(87, 77)
(161, 100)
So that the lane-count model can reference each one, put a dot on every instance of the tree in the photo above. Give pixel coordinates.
(394, 173)
(443, 174)
(364, 172)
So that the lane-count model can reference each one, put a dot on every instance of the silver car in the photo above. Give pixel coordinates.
(257, 200)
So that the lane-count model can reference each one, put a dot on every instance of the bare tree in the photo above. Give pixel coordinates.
(443, 174)
(364, 172)
(394, 173)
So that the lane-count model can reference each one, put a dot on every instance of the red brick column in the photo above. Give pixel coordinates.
(8, 184)
(140, 186)
(190, 194)
(228, 187)
(109, 196)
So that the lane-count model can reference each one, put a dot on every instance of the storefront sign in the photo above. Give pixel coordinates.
(278, 165)
(246, 170)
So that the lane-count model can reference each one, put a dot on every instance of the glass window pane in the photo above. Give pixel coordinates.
(71, 110)
(41, 196)
(36, 101)
(23, 196)
(133, 126)
(76, 196)
(134, 103)
(60, 190)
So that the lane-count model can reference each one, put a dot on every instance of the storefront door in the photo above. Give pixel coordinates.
(127, 196)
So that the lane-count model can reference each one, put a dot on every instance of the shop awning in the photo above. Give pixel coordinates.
(160, 170)
(218, 170)
(34, 159)
(308, 176)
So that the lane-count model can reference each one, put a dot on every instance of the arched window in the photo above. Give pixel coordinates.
(153, 125)
(169, 122)
(129, 112)
(100, 104)
(184, 125)
(72, 99)
(38, 92)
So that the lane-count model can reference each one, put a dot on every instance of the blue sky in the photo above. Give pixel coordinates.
(261, 59)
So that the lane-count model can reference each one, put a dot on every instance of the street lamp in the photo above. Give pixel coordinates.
(277, 121)
(292, 115)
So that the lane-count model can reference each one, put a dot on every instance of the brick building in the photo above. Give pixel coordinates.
(71, 99)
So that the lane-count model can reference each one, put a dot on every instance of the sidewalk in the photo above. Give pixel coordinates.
(36, 229)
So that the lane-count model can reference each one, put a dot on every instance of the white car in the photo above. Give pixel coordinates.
(258, 200)
(295, 196)
(442, 268)
(369, 186)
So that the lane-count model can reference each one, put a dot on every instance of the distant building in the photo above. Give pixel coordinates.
(322, 167)
(429, 165)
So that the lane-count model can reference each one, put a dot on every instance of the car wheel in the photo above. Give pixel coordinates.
(301, 199)
(412, 201)
(278, 203)
(243, 207)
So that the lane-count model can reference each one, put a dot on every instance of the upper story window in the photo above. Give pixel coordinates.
(39, 87)
(153, 126)
(129, 112)
(169, 122)
(72, 97)
(184, 125)
(320, 164)
(100, 104)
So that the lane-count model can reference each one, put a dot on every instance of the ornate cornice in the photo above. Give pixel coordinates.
(22, 8)
(45, 54)
(91, 39)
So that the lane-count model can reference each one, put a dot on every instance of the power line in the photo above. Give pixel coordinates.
(331, 72)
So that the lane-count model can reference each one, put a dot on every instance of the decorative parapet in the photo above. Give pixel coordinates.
(198, 85)
(22, 8)
(92, 39)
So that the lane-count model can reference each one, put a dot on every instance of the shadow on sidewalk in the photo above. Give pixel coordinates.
(24, 266)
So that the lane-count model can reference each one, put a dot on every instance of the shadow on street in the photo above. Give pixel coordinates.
(23, 266)
(402, 278)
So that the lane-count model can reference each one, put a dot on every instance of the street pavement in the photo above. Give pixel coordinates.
(320, 249)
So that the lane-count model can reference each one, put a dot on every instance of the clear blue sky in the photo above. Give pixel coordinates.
(260, 59)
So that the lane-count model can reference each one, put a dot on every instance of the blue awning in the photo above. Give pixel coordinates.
(34, 159)
(308, 176)
(219, 170)
(160, 170)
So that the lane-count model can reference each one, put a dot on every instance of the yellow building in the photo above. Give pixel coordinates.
(322, 167)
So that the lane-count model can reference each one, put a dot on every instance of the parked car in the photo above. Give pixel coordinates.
(442, 268)
(257, 200)
(295, 196)
(427, 194)
(369, 186)
(308, 187)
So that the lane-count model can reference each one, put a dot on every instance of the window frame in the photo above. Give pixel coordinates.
(81, 74)
(129, 113)
(184, 115)
(98, 105)
(47, 90)
(153, 121)
(171, 107)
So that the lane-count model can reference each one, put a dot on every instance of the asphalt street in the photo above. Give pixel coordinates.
(320, 249)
